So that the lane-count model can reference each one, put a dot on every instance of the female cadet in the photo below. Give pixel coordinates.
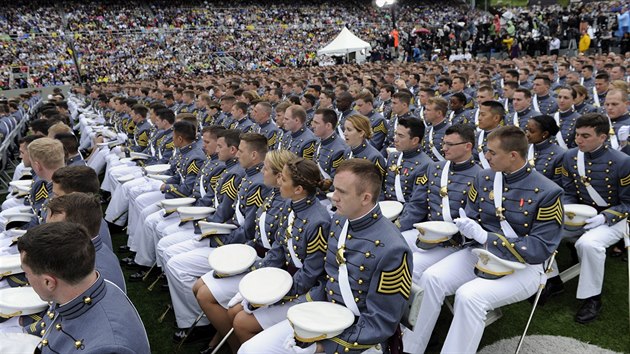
(544, 153)
(358, 132)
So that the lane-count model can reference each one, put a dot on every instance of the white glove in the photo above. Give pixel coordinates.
(289, 344)
(237, 299)
(624, 133)
(595, 221)
(246, 307)
(121, 137)
(470, 228)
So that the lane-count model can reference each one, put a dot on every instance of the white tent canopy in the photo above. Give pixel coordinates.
(345, 42)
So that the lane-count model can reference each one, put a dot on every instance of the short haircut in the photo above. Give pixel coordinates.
(282, 106)
(213, 130)
(298, 112)
(389, 88)
(29, 139)
(328, 116)
(310, 98)
(40, 125)
(598, 121)
(415, 126)
(186, 130)
(496, 108)
(166, 114)
(265, 107)
(547, 124)
(511, 84)
(58, 128)
(242, 106)
(571, 89)
(527, 93)
(511, 138)
(403, 97)
(81, 179)
(141, 110)
(70, 143)
(369, 175)
(545, 80)
(465, 131)
(366, 97)
(256, 142)
(362, 124)
(602, 76)
(81, 208)
(49, 152)
(62, 249)
(232, 137)
(623, 93)
(440, 104)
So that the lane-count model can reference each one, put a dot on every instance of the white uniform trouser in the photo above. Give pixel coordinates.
(139, 209)
(271, 341)
(171, 239)
(111, 183)
(97, 160)
(222, 289)
(591, 249)
(474, 297)
(181, 272)
(423, 259)
(146, 238)
(118, 207)
(160, 230)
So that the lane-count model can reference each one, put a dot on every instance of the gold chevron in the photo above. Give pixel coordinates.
(338, 161)
(319, 243)
(42, 193)
(565, 173)
(396, 281)
(214, 180)
(143, 139)
(255, 199)
(625, 181)
(309, 151)
(272, 140)
(192, 168)
(229, 188)
(421, 180)
(552, 212)
(380, 168)
(380, 128)
(558, 171)
(472, 193)
(170, 145)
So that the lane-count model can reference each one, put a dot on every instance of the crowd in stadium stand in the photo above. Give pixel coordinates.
(117, 41)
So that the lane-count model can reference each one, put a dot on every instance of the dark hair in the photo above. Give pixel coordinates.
(306, 173)
(598, 121)
(232, 137)
(524, 91)
(328, 116)
(495, 107)
(299, 112)
(140, 110)
(40, 125)
(242, 106)
(511, 138)
(70, 143)
(81, 208)
(186, 130)
(310, 98)
(29, 138)
(77, 179)
(213, 130)
(165, 114)
(63, 249)
(369, 175)
(547, 124)
(460, 97)
(257, 142)
(415, 126)
(465, 131)
(403, 97)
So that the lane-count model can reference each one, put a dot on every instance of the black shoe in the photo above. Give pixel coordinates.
(198, 334)
(124, 248)
(137, 276)
(128, 261)
(589, 311)
(208, 350)
(553, 288)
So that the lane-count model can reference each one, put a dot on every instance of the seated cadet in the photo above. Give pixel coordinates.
(344, 105)
(225, 118)
(542, 101)
(407, 166)
(214, 294)
(58, 259)
(565, 117)
(357, 132)
(285, 135)
(189, 260)
(364, 104)
(594, 174)
(460, 169)
(400, 110)
(299, 248)
(14, 200)
(508, 98)
(157, 223)
(302, 141)
(84, 209)
(141, 130)
(484, 93)
(523, 109)
(543, 153)
(261, 114)
(599, 92)
(580, 104)
(490, 118)
(332, 148)
(495, 218)
(436, 122)
(71, 147)
(617, 111)
(240, 119)
(459, 114)
(378, 285)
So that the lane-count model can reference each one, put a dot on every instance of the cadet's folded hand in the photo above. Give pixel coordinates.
(595, 221)
(470, 228)
(237, 299)
(289, 344)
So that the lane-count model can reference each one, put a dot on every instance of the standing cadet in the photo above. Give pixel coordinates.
(58, 259)
(515, 213)
(360, 272)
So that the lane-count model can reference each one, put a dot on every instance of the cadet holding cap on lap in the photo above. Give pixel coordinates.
(513, 212)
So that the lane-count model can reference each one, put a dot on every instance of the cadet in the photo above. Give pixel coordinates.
(400, 110)
(565, 117)
(385, 101)
(515, 213)
(617, 110)
(265, 125)
(302, 141)
(344, 105)
(490, 118)
(523, 109)
(240, 119)
(364, 104)
(435, 119)
(459, 114)
(544, 153)
(542, 101)
(360, 273)
(86, 312)
(357, 132)
(332, 148)
(595, 175)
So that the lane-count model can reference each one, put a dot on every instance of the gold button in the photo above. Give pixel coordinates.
(78, 344)
(58, 326)
(377, 242)
(87, 300)
(367, 254)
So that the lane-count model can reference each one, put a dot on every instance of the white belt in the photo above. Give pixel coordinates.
(434, 150)
(446, 207)
(296, 261)
(498, 205)
(262, 226)
(535, 103)
(237, 212)
(477, 115)
(202, 190)
(344, 283)
(595, 98)
(559, 137)
(451, 116)
(397, 184)
(515, 120)
(591, 191)
(321, 169)
(482, 156)
(614, 142)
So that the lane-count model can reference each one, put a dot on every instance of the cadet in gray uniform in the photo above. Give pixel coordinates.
(265, 125)
(515, 213)
(523, 109)
(358, 254)
(406, 168)
(240, 119)
(544, 153)
(400, 110)
(435, 119)
(617, 111)
(142, 129)
(565, 117)
(542, 101)
(332, 148)
(344, 105)
(365, 106)
(580, 105)
(357, 132)
(302, 141)
(62, 254)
